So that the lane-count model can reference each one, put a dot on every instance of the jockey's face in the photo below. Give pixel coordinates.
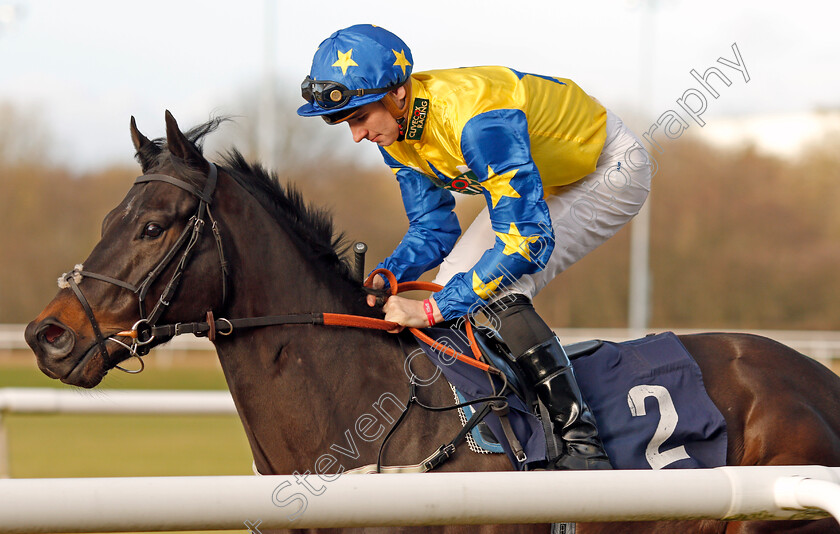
(374, 123)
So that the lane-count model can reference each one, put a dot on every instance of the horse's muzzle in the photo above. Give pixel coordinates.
(52, 342)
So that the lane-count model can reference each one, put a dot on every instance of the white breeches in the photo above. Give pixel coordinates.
(584, 214)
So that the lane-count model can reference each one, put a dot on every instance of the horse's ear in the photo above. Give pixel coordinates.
(181, 147)
(147, 151)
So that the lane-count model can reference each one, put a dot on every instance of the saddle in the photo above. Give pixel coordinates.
(496, 352)
(647, 395)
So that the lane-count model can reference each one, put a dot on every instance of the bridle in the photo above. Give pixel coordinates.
(185, 244)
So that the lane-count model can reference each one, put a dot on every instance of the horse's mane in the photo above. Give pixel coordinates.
(310, 227)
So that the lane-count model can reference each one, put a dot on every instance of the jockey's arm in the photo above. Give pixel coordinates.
(496, 147)
(432, 225)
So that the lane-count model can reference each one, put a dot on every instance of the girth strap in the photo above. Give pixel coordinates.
(501, 410)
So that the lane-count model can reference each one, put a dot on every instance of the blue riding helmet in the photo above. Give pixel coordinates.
(353, 67)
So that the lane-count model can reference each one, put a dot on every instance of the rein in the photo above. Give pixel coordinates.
(146, 330)
(226, 327)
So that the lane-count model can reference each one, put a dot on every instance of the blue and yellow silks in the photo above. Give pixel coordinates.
(510, 136)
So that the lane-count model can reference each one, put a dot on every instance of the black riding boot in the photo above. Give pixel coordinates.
(550, 373)
(545, 366)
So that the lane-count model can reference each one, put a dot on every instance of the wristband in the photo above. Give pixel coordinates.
(430, 311)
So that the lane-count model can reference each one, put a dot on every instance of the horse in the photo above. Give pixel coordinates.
(320, 399)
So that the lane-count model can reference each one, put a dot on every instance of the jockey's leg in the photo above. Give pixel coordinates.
(547, 369)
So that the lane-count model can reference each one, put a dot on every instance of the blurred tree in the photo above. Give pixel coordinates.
(301, 144)
(51, 220)
(739, 239)
(743, 240)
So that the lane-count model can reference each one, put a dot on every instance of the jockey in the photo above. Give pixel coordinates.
(560, 173)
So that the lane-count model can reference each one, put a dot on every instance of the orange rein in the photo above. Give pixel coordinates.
(340, 319)
(356, 321)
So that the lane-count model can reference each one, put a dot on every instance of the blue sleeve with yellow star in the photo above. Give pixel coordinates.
(432, 225)
(496, 146)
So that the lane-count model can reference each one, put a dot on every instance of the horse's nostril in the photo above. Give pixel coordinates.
(52, 333)
(53, 337)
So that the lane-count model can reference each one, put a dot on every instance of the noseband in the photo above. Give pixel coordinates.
(185, 244)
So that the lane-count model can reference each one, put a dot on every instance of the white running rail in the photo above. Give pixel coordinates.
(234, 502)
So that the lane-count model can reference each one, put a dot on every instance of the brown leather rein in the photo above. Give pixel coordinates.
(226, 327)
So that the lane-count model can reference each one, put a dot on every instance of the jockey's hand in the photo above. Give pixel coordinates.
(409, 313)
(378, 283)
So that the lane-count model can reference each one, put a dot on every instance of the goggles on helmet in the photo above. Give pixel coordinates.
(333, 95)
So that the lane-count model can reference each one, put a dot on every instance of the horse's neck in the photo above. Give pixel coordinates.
(299, 388)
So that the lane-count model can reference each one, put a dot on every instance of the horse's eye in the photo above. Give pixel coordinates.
(152, 230)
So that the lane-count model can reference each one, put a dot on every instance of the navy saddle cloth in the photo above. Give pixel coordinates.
(647, 395)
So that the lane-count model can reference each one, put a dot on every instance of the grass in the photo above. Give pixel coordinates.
(197, 370)
(59, 446)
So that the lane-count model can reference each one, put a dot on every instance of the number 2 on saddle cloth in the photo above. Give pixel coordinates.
(648, 397)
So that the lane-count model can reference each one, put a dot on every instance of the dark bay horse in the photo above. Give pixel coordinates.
(318, 400)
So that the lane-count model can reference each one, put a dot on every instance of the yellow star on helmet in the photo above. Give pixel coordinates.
(345, 60)
(498, 185)
(485, 291)
(515, 242)
(401, 61)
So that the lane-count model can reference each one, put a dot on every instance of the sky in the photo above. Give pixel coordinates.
(84, 67)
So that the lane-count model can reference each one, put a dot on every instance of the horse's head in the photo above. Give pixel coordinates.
(159, 258)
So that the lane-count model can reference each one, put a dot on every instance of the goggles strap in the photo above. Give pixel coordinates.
(392, 105)
(400, 113)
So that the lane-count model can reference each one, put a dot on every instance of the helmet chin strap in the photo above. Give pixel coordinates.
(399, 112)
